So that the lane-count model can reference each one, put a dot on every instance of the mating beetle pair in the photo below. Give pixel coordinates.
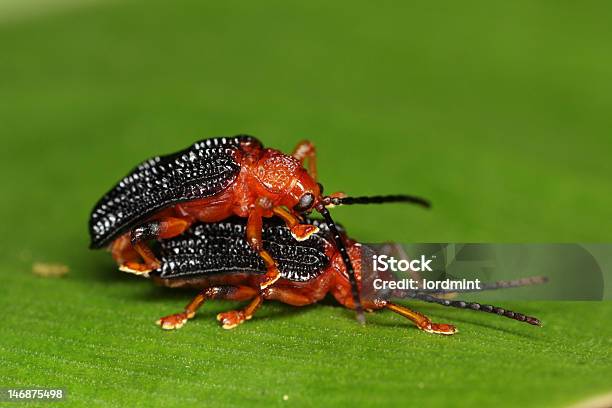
(212, 181)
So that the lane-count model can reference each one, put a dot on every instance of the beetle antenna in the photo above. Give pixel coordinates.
(398, 198)
(478, 307)
(346, 259)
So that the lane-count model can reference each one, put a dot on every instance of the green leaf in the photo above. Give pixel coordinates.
(499, 113)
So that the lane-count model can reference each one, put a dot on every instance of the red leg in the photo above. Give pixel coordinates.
(122, 250)
(299, 231)
(342, 292)
(233, 318)
(306, 150)
(177, 320)
(254, 226)
(163, 228)
(421, 321)
(292, 296)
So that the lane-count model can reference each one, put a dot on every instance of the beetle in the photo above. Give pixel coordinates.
(210, 181)
(216, 259)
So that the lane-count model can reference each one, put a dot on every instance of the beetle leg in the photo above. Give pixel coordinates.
(254, 226)
(122, 250)
(294, 296)
(420, 320)
(150, 261)
(291, 296)
(177, 320)
(306, 150)
(233, 318)
(164, 228)
(299, 231)
(342, 292)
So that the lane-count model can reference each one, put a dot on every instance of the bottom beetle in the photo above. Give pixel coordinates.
(216, 258)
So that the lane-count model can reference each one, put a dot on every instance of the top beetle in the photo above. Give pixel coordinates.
(210, 181)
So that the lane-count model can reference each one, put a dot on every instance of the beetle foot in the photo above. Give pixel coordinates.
(136, 268)
(231, 319)
(439, 328)
(173, 322)
(301, 232)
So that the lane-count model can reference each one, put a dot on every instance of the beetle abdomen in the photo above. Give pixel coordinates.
(202, 170)
(221, 248)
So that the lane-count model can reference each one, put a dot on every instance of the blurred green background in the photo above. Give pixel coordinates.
(499, 113)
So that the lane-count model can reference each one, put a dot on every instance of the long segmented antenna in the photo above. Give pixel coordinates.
(400, 198)
(478, 307)
(346, 259)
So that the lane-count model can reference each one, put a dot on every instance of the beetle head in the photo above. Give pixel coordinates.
(304, 193)
(283, 179)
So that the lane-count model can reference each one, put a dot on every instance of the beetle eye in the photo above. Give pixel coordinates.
(305, 203)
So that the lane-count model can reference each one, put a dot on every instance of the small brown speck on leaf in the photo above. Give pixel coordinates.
(601, 401)
(49, 270)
